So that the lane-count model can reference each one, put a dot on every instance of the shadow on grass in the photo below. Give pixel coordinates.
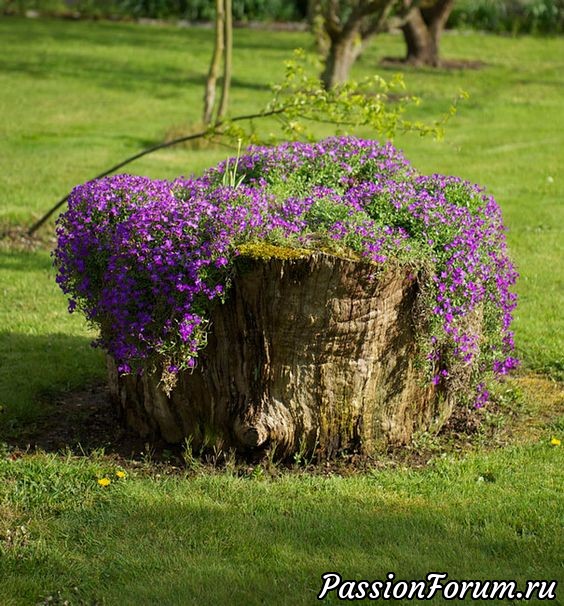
(120, 74)
(54, 398)
(116, 74)
(129, 70)
(25, 260)
(36, 371)
(103, 34)
(222, 541)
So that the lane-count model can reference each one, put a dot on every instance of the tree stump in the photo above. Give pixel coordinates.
(314, 352)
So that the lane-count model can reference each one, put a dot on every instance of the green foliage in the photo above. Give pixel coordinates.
(501, 16)
(191, 10)
(230, 178)
(300, 104)
(510, 16)
(204, 10)
(87, 8)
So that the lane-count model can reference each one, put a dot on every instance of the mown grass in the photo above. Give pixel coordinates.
(43, 350)
(79, 96)
(76, 97)
(222, 539)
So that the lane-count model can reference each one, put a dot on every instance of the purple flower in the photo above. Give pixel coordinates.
(146, 259)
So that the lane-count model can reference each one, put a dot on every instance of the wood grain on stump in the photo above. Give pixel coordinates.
(315, 352)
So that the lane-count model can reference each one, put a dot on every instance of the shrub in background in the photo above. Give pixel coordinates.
(500, 16)
(191, 10)
(509, 16)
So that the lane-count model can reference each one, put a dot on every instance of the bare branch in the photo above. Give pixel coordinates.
(331, 12)
(210, 131)
(227, 59)
(209, 93)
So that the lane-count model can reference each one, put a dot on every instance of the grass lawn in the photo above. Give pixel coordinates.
(220, 539)
(79, 96)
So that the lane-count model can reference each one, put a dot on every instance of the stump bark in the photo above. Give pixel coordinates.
(309, 353)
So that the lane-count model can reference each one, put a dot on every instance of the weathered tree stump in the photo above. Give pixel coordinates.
(313, 352)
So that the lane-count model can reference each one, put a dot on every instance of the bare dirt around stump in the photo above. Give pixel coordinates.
(444, 64)
(84, 421)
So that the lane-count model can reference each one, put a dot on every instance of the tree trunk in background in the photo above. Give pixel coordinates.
(416, 38)
(211, 81)
(422, 32)
(348, 27)
(313, 353)
(227, 59)
(340, 57)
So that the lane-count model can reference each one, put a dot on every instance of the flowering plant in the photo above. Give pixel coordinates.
(144, 260)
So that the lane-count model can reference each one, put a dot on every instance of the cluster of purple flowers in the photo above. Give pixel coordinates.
(144, 259)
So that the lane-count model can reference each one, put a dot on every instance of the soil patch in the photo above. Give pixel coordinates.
(85, 421)
(17, 238)
(445, 64)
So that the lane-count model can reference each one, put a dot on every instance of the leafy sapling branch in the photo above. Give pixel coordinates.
(299, 102)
